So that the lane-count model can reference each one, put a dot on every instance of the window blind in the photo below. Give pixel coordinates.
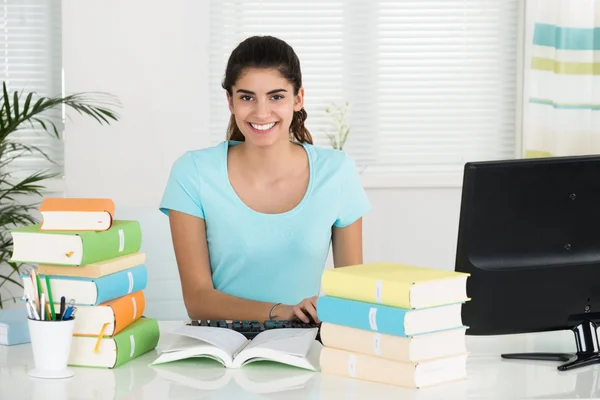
(31, 61)
(430, 84)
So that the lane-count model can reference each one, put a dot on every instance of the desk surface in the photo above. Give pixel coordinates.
(490, 377)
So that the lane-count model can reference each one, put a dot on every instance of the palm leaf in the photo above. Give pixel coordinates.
(83, 103)
(36, 113)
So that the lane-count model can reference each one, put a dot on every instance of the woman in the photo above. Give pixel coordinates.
(252, 218)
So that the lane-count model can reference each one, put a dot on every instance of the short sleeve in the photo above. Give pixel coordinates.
(182, 192)
(354, 202)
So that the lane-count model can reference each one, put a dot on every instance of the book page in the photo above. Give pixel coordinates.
(293, 341)
(227, 340)
(309, 360)
(289, 346)
(197, 349)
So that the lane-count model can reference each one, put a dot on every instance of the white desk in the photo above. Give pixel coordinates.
(490, 377)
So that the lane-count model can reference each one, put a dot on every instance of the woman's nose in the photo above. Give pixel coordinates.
(262, 109)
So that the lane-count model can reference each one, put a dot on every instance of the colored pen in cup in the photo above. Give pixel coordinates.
(62, 307)
(69, 309)
(43, 306)
(50, 299)
(30, 308)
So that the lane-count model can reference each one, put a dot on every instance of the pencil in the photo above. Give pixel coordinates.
(39, 287)
(50, 301)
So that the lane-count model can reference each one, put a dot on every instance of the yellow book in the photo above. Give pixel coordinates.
(97, 269)
(396, 285)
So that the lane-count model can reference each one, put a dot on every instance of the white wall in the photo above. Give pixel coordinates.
(153, 56)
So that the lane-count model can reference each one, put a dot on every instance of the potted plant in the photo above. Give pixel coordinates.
(341, 129)
(17, 111)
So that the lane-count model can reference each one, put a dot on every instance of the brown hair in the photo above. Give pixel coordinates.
(266, 52)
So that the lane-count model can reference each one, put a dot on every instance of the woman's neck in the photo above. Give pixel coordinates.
(272, 161)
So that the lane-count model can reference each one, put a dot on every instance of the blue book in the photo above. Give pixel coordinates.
(387, 319)
(92, 291)
(13, 326)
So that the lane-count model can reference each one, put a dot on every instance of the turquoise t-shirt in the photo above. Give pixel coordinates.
(267, 257)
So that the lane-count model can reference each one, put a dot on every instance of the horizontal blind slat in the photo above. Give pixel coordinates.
(31, 61)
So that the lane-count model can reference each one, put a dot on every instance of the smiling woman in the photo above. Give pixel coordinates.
(252, 218)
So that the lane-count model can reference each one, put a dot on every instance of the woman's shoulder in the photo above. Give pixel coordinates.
(200, 159)
(330, 159)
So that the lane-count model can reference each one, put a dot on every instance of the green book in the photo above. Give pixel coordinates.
(110, 352)
(33, 246)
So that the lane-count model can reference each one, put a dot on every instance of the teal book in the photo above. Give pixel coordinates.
(13, 326)
(387, 319)
(33, 246)
(92, 291)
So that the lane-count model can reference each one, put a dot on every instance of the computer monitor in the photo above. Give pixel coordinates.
(529, 235)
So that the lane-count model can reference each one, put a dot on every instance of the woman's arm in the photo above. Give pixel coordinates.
(347, 245)
(201, 300)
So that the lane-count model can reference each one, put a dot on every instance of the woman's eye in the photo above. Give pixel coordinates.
(277, 97)
(246, 98)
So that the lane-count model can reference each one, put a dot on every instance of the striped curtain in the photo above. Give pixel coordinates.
(561, 108)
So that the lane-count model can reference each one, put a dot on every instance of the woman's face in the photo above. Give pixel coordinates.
(263, 104)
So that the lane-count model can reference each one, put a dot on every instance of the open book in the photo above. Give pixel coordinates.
(292, 346)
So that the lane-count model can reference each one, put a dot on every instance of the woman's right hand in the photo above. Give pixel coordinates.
(301, 311)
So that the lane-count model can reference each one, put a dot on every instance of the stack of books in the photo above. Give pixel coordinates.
(96, 272)
(393, 324)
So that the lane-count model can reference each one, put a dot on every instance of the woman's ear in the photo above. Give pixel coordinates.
(229, 101)
(299, 100)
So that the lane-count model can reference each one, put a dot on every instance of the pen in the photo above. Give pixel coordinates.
(28, 307)
(68, 312)
(62, 306)
(35, 299)
(39, 289)
(42, 307)
(31, 309)
(69, 309)
(50, 300)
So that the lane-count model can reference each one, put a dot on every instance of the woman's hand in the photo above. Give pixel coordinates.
(301, 311)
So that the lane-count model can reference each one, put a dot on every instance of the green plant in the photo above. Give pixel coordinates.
(341, 129)
(18, 111)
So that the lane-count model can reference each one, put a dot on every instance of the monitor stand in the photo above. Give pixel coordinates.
(587, 353)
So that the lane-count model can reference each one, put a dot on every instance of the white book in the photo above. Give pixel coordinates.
(291, 346)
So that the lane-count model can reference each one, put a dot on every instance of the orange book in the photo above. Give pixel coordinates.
(76, 214)
(108, 318)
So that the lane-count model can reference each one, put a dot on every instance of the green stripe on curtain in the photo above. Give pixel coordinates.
(570, 68)
(566, 38)
(564, 106)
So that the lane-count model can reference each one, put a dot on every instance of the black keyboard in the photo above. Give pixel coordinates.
(252, 328)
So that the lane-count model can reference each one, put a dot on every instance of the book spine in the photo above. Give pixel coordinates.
(123, 237)
(361, 315)
(121, 283)
(365, 288)
(365, 342)
(127, 309)
(137, 339)
(368, 368)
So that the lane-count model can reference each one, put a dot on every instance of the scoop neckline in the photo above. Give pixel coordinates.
(229, 143)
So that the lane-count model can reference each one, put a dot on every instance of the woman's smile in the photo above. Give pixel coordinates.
(262, 129)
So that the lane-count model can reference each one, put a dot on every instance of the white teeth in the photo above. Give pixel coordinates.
(263, 127)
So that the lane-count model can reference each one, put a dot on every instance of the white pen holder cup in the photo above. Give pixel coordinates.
(51, 345)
